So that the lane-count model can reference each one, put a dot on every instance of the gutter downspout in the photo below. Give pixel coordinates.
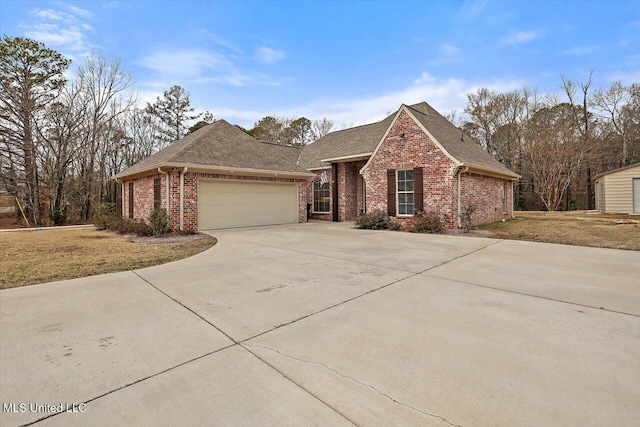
(461, 170)
(184, 171)
(167, 193)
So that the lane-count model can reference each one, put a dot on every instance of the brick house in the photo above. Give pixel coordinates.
(413, 160)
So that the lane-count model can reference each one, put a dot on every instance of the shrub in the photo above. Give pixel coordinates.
(373, 221)
(106, 209)
(466, 217)
(159, 221)
(396, 225)
(59, 216)
(123, 225)
(423, 222)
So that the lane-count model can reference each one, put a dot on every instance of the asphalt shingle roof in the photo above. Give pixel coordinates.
(223, 145)
(464, 149)
(364, 139)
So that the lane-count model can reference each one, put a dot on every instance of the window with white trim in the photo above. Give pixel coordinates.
(404, 179)
(321, 197)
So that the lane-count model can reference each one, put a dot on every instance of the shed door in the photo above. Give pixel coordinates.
(229, 204)
(636, 195)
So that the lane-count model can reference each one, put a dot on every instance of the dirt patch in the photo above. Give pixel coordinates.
(471, 233)
(579, 228)
(30, 257)
(169, 238)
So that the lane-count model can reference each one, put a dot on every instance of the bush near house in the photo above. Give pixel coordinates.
(466, 217)
(423, 222)
(377, 220)
(159, 221)
(107, 219)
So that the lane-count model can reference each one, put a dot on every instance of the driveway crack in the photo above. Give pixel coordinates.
(394, 400)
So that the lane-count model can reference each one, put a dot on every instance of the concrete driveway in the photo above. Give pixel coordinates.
(321, 324)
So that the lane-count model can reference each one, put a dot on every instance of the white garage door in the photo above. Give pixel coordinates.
(227, 204)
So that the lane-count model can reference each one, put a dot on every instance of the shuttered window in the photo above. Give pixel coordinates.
(157, 182)
(418, 199)
(131, 200)
(391, 192)
(405, 192)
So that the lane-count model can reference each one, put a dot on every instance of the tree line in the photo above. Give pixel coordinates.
(557, 142)
(62, 136)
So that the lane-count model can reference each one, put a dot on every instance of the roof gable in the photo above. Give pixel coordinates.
(222, 145)
(367, 139)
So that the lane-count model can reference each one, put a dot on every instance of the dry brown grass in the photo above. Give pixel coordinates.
(29, 257)
(571, 228)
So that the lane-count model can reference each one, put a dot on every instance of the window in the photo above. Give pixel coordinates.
(321, 197)
(405, 192)
(131, 200)
(505, 192)
(157, 183)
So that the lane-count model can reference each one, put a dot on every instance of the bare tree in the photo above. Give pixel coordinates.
(553, 152)
(582, 119)
(104, 84)
(482, 109)
(321, 127)
(60, 136)
(611, 104)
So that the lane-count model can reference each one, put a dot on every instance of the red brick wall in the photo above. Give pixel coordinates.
(415, 149)
(492, 197)
(143, 196)
(350, 198)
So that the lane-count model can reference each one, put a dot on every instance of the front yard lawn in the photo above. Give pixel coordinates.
(29, 257)
(571, 228)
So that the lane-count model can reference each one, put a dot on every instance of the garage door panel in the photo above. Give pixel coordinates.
(224, 204)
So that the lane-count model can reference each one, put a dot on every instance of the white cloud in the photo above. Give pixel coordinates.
(184, 63)
(471, 10)
(61, 29)
(449, 49)
(78, 11)
(266, 55)
(442, 94)
(519, 37)
(200, 66)
(626, 77)
(579, 50)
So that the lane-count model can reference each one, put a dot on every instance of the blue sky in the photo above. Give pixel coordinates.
(349, 61)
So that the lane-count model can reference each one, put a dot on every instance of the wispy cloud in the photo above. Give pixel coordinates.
(266, 55)
(471, 10)
(579, 50)
(519, 37)
(447, 53)
(185, 63)
(64, 28)
(443, 94)
(173, 64)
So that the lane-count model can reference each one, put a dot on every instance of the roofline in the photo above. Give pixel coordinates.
(484, 170)
(633, 165)
(393, 122)
(350, 157)
(193, 167)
